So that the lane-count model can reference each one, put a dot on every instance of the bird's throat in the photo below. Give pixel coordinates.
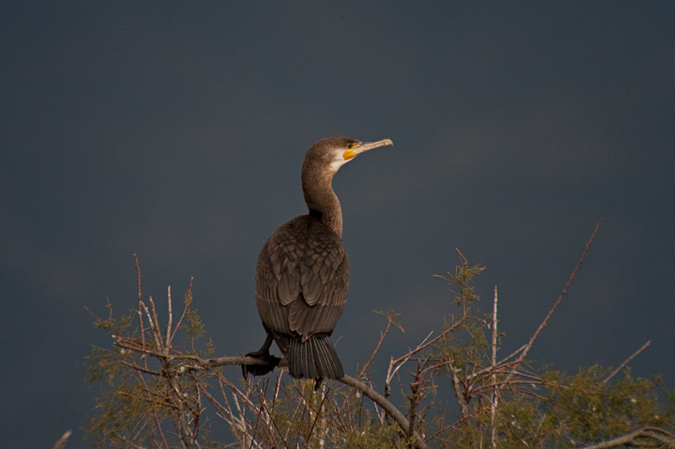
(323, 204)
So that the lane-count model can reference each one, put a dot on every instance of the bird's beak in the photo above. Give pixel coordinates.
(365, 146)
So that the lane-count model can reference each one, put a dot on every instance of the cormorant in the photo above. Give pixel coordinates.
(302, 276)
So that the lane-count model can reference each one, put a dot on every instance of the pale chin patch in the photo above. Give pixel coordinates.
(338, 162)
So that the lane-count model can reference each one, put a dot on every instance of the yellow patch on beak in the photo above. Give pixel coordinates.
(350, 152)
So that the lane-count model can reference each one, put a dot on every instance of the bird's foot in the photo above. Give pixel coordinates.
(260, 370)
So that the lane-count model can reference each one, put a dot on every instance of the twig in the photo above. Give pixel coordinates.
(495, 399)
(316, 418)
(61, 442)
(188, 302)
(151, 322)
(141, 369)
(170, 321)
(140, 301)
(627, 361)
(525, 349)
(377, 347)
(396, 364)
(457, 424)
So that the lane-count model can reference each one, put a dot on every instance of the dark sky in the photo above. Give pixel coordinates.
(176, 131)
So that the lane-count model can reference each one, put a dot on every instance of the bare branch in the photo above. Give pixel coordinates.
(627, 361)
(526, 348)
(151, 322)
(495, 397)
(61, 442)
(383, 334)
(188, 302)
(459, 390)
(167, 342)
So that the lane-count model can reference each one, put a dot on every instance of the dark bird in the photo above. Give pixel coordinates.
(302, 277)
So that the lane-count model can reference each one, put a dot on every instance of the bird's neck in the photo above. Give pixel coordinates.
(321, 201)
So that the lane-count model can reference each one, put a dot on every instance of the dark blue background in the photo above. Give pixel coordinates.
(176, 131)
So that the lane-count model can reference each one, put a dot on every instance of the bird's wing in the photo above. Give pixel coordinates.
(324, 267)
(302, 279)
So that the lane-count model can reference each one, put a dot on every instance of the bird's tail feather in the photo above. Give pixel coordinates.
(313, 358)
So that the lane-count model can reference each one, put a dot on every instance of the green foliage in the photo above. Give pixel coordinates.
(586, 407)
(458, 392)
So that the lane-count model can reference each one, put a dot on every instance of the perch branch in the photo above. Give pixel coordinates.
(187, 362)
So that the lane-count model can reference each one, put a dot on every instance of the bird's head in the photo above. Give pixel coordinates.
(334, 152)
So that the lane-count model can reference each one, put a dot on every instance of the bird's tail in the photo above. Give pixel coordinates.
(314, 358)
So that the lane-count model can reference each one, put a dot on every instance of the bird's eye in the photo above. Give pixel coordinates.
(350, 145)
